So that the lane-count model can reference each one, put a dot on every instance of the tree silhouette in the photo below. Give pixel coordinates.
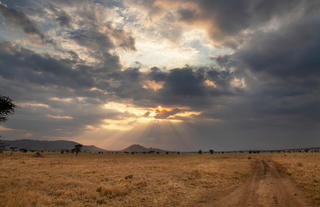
(6, 108)
(211, 151)
(77, 148)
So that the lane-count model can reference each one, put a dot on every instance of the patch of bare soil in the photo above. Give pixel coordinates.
(266, 186)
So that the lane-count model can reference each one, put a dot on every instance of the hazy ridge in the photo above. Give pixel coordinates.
(58, 145)
(140, 148)
(55, 145)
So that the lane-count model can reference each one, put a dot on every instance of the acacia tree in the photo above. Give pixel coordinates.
(6, 108)
(77, 148)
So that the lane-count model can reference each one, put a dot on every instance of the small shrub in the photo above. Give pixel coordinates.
(128, 177)
(99, 189)
(111, 193)
(23, 150)
(37, 154)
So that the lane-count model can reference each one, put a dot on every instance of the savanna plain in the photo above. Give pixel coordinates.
(88, 179)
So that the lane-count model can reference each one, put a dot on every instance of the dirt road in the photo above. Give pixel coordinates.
(267, 186)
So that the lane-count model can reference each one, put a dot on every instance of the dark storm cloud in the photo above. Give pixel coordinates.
(128, 84)
(25, 66)
(234, 16)
(21, 64)
(93, 40)
(26, 77)
(187, 86)
(156, 74)
(180, 86)
(287, 56)
(21, 20)
(98, 41)
(184, 82)
(228, 21)
(31, 78)
(282, 72)
(292, 51)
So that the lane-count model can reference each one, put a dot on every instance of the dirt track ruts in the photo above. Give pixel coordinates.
(266, 186)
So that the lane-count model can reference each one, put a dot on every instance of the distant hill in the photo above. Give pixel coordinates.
(140, 148)
(56, 145)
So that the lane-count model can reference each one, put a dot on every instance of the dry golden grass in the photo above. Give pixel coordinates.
(87, 180)
(116, 179)
(304, 169)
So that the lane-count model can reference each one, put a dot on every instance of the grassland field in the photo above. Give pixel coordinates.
(89, 179)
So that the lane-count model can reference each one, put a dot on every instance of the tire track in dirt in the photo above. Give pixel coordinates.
(267, 186)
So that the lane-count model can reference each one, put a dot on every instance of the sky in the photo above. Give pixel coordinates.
(172, 74)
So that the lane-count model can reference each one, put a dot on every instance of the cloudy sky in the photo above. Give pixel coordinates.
(173, 74)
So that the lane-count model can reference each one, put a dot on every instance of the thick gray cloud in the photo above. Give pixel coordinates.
(186, 86)
(282, 71)
(180, 86)
(20, 20)
(291, 51)
(21, 64)
(228, 18)
(231, 22)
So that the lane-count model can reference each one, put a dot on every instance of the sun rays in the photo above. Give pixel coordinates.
(165, 133)
(132, 124)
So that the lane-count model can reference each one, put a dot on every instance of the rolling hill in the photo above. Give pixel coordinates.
(141, 149)
(56, 145)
